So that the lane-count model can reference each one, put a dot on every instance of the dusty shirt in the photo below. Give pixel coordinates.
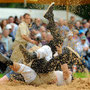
(22, 30)
(44, 52)
(31, 77)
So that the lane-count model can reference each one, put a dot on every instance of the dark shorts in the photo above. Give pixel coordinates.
(15, 76)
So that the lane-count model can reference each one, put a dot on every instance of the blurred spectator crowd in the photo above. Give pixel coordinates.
(76, 34)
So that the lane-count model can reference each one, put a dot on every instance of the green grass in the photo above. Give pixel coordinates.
(1, 75)
(77, 75)
(81, 75)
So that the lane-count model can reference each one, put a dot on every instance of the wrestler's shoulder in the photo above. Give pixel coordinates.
(45, 46)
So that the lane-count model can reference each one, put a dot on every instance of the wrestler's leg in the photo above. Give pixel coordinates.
(60, 78)
(63, 58)
(28, 57)
(4, 79)
(57, 38)
(50, 17)
(73, 58)
(28, 74)
(66, 71)
(7, 77)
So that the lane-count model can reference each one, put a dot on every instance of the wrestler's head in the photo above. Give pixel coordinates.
(56, 44)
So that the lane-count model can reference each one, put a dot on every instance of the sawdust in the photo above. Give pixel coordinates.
(77, 84)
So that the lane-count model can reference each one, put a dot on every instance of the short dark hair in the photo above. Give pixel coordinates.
(10, 16)
(26, 14)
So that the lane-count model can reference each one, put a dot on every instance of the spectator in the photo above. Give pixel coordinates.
(88, 36)
(71, 27)
(44, 35)
(69, 41)
(0, 30)
(85, 26)
(43, 32)
(86, 60)
(9, 28)
(78, 25)
(37, 24)
(57, 23)
(2, 48)
(72, 20)
(81, 33)
(16, 20)
(15, 27)
(65, 23)
(21, 19)
(42, 29)
(82, 47)
(7, 40)
(75, 36)
(3, 24)
(49, 38)
(62, 26)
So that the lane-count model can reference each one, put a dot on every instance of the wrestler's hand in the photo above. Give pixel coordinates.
(35, 42)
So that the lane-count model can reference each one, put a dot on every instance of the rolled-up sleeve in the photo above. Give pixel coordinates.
(28, 73)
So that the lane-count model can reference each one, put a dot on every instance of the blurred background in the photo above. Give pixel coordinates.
(78, 7)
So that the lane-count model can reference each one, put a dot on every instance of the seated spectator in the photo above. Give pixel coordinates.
(65, 23)
(2, 48)
(21, 19)
(86, 60)
(9, 28)
(69, 41)
(7, 40)
(33, 33)
(3, 24)
(72, 20)
(42, 29)
(42, 32)
(71, 26)
(85, 26)
(57, 23)
(88, 36)
(62, 26)
(16, 20)
(81, 33)
(14, 27)
(78, 25)
(75, 36)
(37, 24)
(0, 30)
(49, 38)
(82, 47)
